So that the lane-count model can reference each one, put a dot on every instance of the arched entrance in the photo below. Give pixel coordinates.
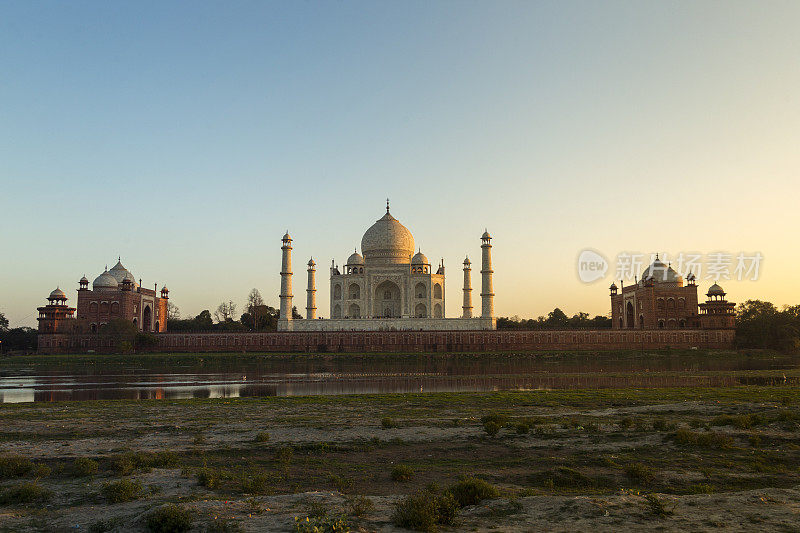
(355, 311)
(147, 318)
(629, 320)
(420, 311)
(387, 300)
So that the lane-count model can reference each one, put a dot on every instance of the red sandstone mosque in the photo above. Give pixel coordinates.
(115, 294)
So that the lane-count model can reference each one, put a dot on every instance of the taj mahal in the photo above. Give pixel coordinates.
(389, 286)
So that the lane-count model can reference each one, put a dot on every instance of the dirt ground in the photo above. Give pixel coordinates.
(671, 459)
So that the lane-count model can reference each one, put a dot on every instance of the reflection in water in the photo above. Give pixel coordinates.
(318, 375)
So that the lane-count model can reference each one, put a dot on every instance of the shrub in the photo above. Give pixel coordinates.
(208, 478)
(738, 421)
(388, 423)
(523, 428)
(491, 428)
(640, 472)
(39, 470)
(24, 493)
(360, 506)
(498, 418)
(695, 423)
(425, 510)
(170, 518)
(83, 467)
(755, 441)
(256, 483)
(472, 490)
(705, 439)
(14, 466)
(656, 505)
(402, 473)
(123, 490)
(262, 436)
(625, 423)
(322, 524)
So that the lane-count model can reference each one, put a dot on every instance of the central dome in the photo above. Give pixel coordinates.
(387, 241)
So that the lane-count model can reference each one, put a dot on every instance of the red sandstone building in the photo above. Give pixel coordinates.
(660, 300)
(115, 294)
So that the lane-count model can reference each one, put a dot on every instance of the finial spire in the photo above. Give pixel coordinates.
(387, 205)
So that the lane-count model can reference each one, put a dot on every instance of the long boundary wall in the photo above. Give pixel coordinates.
(405, 341)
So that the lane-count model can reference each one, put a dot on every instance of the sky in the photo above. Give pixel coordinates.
(186, 137)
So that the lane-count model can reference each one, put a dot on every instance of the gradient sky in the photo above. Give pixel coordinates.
(188, 136)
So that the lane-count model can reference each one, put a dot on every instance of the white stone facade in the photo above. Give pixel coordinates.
(388, 288)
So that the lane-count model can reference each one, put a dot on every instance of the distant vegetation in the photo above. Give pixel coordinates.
(257, 317)
(760, 324)
(555, 319)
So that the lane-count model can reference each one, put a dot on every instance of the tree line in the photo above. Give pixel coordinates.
(555, 319)
(257, 316)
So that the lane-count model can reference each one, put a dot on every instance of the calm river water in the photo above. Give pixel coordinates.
(347, 374)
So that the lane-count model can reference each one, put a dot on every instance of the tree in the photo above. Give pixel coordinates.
(173, 313)
(225, 311)
(254, 303)
(3, 322)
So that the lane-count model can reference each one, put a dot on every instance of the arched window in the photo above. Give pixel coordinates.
(641, 321)
(681, 303)
(94, 328)
(670, 303)
(104, 308)
(355, 311)
(337, 311)
(682, 324)
(661, 303)
(115, 308)
(420, 291)
(337, 292)
(437, 291)
(672, 323)
(355, 291)
(93, 308)
(420, 311)
(437, 311)
(661, 324)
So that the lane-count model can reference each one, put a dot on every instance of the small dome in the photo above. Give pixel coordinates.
(286, 236)
(419, 259)
(613, 286)
(486, 235)
(83, 279)
(355, 259)
(661, 272)
(57, 294)
(164, 289)
(311, 262)
(105, 281)
(715, 290)
(467, 261)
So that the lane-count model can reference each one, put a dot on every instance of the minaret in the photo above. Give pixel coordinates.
(487, 292)
(311, 292)
(467, 307)
(286, 283)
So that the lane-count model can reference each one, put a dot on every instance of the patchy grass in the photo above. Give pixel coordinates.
(84, 467)
(707, 439)
(471, 490)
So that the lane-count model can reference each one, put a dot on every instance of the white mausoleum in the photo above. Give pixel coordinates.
(389, 287)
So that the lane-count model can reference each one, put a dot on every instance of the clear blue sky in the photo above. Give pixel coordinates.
(188, 136)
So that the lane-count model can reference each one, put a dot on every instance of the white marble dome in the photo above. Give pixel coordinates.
(419, 259)
(355, 259)
(661, 272)
(387, 241)
(105, 281)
